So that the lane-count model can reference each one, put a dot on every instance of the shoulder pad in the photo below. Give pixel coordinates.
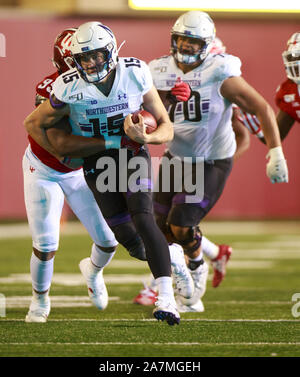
(44, 87)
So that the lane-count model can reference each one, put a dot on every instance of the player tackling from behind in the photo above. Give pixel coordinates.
(198, 89)
(99, 96)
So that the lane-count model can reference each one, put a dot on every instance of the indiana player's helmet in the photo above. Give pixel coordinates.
(197, 25)
(94, 44)
(217, 46)
(62, 58)
(291, 58)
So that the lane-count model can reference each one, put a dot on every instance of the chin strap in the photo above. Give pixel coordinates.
(121, 45)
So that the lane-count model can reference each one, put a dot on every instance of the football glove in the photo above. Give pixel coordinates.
(131, 145)
(277, 169)
(181, 90)
(251, 123)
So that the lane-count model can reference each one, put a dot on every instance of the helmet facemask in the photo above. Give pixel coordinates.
(291, 58)
(185, 56)
(103, 63)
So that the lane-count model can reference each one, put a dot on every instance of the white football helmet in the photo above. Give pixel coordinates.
(291, 58)
(90, 39)
(193, 24)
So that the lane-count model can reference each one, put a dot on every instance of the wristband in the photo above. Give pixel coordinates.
(276, 153)
(112, 142)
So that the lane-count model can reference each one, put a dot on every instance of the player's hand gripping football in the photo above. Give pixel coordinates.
(277, 169)
(136, 131)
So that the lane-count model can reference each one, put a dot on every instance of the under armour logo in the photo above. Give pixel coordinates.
(120, 96)
(86, 172)
(32, 169)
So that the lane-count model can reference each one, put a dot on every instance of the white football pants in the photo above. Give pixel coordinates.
(44, 192)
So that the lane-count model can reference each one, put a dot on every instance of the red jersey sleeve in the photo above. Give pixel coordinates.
(288, 99)
(44, 87)
(43, 90)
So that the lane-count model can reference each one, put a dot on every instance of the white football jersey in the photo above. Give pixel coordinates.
(94, 114)
(202, 125)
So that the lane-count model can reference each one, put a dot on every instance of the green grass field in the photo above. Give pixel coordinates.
(250, 314)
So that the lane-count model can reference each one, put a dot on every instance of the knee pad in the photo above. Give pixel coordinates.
(128, 237)
(193, 234)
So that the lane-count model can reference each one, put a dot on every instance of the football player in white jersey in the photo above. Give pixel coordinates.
(47, 183)
(198, 90)
(99, 97)
(220, 253)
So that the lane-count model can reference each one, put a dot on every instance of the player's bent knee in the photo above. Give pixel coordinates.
(128, 237)
(136, 248)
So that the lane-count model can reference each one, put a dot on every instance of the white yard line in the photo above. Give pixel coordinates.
(154, 320)
(210, 227)
(84, 301)
(152, 343)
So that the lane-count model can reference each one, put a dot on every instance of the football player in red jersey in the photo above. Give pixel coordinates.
(287, 96)
(47, 182)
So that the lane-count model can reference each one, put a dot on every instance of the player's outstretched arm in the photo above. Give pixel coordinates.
(242, 136)
(238, 91)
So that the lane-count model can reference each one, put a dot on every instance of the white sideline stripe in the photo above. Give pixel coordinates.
(84, 301)
(77, 279)
(56, 301)
(154, 320)
(155, 344)
(110, 278)
(210, 228)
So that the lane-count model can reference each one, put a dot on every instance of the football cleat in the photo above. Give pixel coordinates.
(166, 310)
(146, 297)
(199, 275)
(197, 307)
(96, 286)
(219, 264)
(184, 284)
(39, 309)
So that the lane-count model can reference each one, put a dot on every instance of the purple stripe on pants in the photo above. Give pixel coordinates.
(144, 185)
(181, 199)
(118, 219)
(161, 208)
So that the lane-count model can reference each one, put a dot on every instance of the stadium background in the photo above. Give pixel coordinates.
(258, 41)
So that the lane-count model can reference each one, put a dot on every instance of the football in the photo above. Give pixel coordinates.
(149, 120)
